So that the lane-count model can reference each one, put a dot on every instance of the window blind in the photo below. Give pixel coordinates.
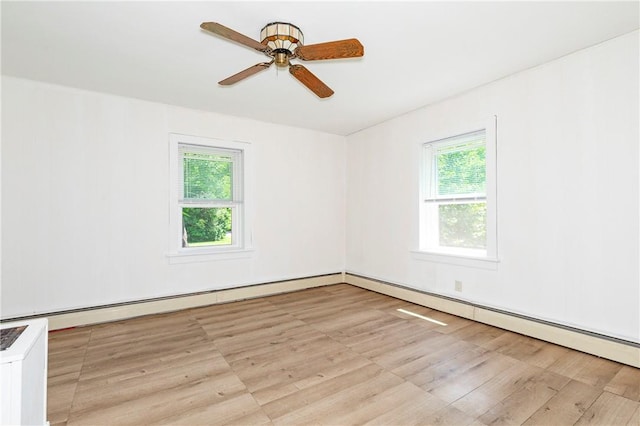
(208, 174)
(457, 169)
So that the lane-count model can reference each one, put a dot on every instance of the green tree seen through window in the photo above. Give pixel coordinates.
(462, 172)
(207, 177)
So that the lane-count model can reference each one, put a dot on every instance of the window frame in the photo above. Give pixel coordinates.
(241, 217)
(428, 200)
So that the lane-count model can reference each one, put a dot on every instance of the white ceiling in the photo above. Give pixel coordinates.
(416, 53)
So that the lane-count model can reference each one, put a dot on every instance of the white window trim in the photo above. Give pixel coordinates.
(243, 246)
(465, 257)
(457, 259)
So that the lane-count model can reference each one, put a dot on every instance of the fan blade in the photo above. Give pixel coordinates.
(225, 32)
(245, 73)
(350, 48)
(314, 84)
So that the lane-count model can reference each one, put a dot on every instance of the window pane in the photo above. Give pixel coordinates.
(463, 225)
(207, 176)
(461, 171)
(206, 226)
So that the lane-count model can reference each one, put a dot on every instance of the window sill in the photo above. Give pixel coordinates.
(459, 260)
(208, 256)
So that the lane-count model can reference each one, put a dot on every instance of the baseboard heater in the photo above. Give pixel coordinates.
(118, 311)
(615, 349)
(612, 348)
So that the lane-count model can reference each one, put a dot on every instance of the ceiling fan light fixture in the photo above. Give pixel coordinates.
(281, 35)
(282, 42)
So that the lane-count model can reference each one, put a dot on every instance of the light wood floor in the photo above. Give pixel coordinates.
(336, 355)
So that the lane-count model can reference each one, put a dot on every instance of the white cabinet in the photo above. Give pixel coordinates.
(23, 375)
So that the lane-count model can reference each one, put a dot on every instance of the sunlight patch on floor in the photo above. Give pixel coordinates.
(413, 314)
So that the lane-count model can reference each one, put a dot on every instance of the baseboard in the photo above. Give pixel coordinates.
(610, 348)
(122, 311)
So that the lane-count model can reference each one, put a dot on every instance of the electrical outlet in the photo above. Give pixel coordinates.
(458, 285)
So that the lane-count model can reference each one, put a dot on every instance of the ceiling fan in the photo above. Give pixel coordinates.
(282, 42)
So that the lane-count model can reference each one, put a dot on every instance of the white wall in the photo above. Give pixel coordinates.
(85, 200)
(568, 185)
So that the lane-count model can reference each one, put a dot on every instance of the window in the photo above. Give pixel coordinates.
(208, 195)
(458, 195)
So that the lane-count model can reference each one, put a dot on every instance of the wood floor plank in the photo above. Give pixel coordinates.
(157, 406)
(399, 355)
(127, 339)
(440, 373)
(520, 405)
(545, 355)
(66, 365)
(586, 368)
(440, 350)
(99, 363)
(239, 410)
(567, 406)
(292, 403)
(598, 373)
(140, 382)
(321, 310)
(381, 403)
(414, 410)
(609, 409)
(450, 416)
(498, 388)
(317, 370)
(381, 340)
(142, 328)
(254, 344)
(338, 364)
(522, 348)
(66, 358)
(69, 340)
(59, 399)
(354, 322)
(378, 321)
(242, 326)
(287, 353)
(470, 377)
(626, 383)
(477, 333)
(288, 368)
(505, 338)
(337, 406)
(635, 418)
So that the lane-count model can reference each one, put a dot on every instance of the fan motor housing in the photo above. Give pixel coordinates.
(281, 57)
